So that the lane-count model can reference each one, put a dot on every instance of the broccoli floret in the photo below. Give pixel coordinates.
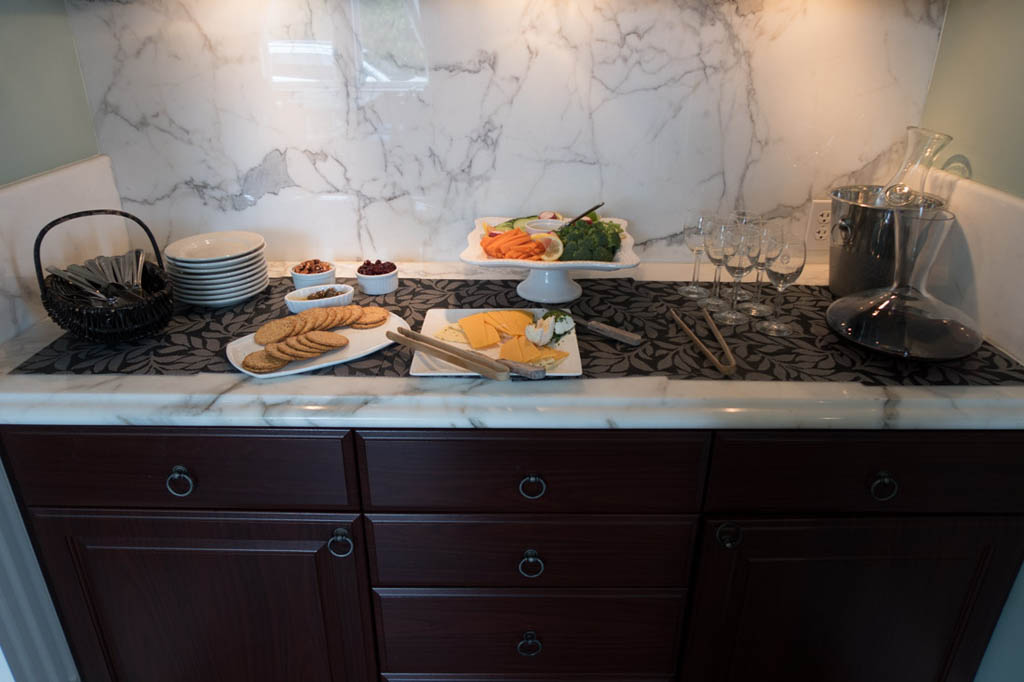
(590, 241)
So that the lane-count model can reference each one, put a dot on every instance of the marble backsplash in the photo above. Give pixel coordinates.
(380, 128)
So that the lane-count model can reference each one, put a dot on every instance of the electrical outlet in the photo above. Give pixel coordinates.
(819, 224)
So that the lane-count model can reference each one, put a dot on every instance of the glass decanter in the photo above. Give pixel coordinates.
(904, 319)
(907, 186)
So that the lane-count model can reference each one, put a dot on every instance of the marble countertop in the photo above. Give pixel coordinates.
(645, 402)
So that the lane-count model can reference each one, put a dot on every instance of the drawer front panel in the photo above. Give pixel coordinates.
(512, 471)
(244, 469)
(530, 551)
(543, 632)
(925, 472)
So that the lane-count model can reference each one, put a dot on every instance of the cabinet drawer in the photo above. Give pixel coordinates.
(530, 551)
(517, 471)
(926, 472)
(487, 631)
(228, 469)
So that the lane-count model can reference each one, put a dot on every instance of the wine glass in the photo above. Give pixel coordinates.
(783, 270)
(772, 235)
(714, 247)
(742, 246)
(751, 220)
(693, 234)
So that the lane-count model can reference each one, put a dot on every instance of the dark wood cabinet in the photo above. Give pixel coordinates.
(200, 596)
(506, 556)
(848, 600)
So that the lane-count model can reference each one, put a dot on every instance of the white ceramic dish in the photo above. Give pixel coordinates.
(220, 291)
(543, 225)
(437, 319)
(361, 342)
(239, 272)
(245, 278)
(297, 300)
(548, 281)
(214, 246)
(378, 285)
(220, 301)
(221, 266)
(301, 280)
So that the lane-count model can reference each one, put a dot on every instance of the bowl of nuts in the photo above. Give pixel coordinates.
(377, 278)
(312, 272)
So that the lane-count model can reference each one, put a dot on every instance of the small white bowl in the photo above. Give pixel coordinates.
(540, 226)
(377, 285)
(303, 280)
(298, 300)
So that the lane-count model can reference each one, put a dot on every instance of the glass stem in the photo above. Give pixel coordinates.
(757, 288)
(778, 303)
(718, 280)
(696, 267)
(735, 291)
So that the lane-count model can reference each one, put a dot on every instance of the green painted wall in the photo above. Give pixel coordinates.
(44, 115)
(977, 91)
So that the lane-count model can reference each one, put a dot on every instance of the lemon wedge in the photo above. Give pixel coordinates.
(552, 245)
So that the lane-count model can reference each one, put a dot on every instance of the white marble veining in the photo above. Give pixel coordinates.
(28, 205)
(381, 128)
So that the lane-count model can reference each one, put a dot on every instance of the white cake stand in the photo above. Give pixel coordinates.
(547, 282)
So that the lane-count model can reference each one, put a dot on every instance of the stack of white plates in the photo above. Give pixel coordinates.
(217, 269)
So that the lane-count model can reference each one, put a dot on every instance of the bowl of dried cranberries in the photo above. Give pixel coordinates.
(377, 278)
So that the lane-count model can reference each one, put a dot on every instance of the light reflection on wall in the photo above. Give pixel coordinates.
(392, 55)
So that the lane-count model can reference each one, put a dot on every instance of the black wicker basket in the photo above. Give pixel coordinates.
(66, 307)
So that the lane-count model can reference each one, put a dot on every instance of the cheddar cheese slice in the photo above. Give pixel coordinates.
(479, 333)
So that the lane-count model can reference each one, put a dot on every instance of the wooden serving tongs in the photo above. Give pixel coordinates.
(466, 359)
(726, 368)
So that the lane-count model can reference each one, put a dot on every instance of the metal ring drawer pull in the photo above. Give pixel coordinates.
(729, 535)
(529, 645)
(341, 535)
(180, 473)
(532, 480)
(531, 558)
(884, 487)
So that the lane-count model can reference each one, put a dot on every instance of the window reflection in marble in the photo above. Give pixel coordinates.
(392, 54)
(294, 64)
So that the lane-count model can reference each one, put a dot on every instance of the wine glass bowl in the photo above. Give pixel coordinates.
(742, 246)
(772, 232)
(693, 236)
(783, 270)
(714, 247)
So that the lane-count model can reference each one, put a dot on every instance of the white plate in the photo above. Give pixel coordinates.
(222, 301)
(243, 270)
(474, 254)
(361, 342)
(219, 266)
(211, 288)
(439, 318)
(214, 246)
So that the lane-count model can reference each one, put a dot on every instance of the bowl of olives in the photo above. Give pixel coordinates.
(320, 296)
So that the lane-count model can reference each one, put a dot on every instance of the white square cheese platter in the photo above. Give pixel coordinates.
(437, 319)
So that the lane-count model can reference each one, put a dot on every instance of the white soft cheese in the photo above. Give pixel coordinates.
(541, 331)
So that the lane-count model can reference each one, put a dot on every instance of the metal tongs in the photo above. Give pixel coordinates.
(726, 368)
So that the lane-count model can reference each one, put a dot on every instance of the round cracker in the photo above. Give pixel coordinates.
(261, 361)
(306, 344)
(316, 316)
(274, 331)
(372, 314)
(302, 325)
(368, 325)
(293, 345)
(355, 314)
(284, 349)
(337, 313)
(331, 339)
(274, 349)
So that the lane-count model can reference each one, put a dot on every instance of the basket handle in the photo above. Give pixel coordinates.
(82, 214)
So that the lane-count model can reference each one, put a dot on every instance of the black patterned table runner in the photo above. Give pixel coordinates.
(195, 339)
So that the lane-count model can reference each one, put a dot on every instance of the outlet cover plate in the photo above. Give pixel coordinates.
(819, 225)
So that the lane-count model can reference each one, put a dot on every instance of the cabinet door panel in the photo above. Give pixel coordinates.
(849, 601)
(196, 597)
(528, 472)
(596, 632)
(491, 550)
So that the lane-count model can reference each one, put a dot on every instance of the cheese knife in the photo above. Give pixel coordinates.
(611, 332)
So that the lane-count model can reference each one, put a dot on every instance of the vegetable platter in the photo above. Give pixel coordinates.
(548, 281)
